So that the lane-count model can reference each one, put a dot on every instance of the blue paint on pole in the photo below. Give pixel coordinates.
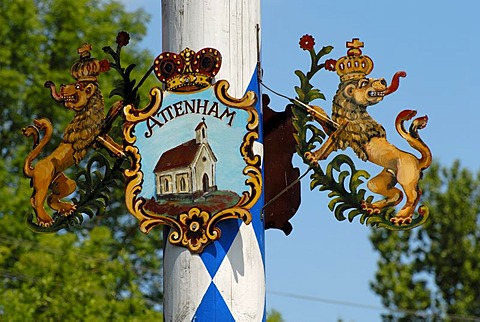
(213, 307)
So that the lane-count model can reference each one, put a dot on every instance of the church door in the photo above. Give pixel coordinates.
(205, 183)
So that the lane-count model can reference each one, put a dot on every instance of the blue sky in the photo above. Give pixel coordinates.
(437, 44)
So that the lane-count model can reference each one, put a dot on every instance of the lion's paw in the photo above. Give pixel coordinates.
(401, 221)
(67, 209)
(369, 208)
(311, 157)
(45, 223)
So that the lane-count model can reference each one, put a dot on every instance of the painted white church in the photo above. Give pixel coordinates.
(188, 170)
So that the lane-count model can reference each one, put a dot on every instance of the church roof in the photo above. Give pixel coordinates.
(184, 154)
(178, 157)
(200, 125)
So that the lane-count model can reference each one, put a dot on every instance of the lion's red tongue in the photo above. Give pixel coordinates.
(395, 82)
(53, 92)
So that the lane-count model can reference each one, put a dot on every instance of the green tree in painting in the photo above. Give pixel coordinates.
(106, 269)
(433, 272)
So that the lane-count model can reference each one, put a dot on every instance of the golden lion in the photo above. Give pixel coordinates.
(358, 130)
(85, 98)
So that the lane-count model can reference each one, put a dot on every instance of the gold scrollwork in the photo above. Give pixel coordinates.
(195, 228)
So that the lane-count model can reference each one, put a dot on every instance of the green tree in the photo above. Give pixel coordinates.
(66, 278)
(42, 274)
(433, 272)
(274, 316)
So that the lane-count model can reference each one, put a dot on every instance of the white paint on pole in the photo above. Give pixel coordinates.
(237, 277)
(240, 281)
(243, 269)
(185, 281)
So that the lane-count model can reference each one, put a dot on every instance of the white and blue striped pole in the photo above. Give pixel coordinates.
(226, 282)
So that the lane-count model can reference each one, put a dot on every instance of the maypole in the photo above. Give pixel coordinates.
(225, 282)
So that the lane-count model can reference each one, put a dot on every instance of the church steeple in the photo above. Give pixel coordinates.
(201, 132)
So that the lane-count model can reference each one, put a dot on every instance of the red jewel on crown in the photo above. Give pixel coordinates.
(86, 69)
(352, 66)
(189, 70)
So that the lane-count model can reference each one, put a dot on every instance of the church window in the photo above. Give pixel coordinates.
(166, 185)
(183, 184)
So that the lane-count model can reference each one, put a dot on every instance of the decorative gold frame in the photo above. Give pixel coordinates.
(195, 228)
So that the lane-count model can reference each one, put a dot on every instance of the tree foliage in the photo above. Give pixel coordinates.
(274, 316)
(67, 278)
(433, 273)
(106, 269)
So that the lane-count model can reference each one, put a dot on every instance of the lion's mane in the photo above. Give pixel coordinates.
(361, 127)
(85, 126)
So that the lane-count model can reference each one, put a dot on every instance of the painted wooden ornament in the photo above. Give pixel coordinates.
(189, 159)
(351, 126)
(88, 128)
(193, 151)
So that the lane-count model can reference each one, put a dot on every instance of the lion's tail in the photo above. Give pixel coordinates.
(38, 144)
(412, 136)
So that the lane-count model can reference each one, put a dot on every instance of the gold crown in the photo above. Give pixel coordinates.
(354, 65)
(188, 70)
(86, 69)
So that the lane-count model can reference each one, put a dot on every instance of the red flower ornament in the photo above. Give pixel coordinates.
(307, 42)
(330, 64)
(123, 38)
(104, 65)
